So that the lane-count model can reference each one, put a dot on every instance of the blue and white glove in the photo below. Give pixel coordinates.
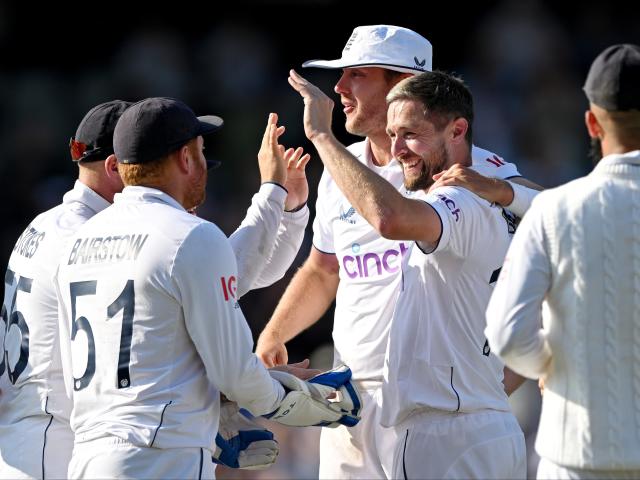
(326, 400)
(241, 442)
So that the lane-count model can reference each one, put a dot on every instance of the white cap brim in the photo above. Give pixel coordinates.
(341, 63)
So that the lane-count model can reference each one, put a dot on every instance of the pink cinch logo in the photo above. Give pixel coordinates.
(372, 264)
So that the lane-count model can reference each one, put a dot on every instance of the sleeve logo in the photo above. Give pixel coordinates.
(229, 287)
(451, 205)
(496, 160)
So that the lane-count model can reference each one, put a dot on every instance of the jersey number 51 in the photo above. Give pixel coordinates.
(125, 302)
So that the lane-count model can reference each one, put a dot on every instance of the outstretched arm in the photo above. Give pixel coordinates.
(516, 194)
(391, 214)
(268, 239)
(305, 300)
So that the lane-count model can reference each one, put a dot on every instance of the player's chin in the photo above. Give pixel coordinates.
(418, 181)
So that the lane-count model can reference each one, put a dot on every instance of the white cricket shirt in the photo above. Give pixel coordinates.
(30, 370)
(268, 239)
(438, 357)
(369, 264)
(567, 308)
(151, 331)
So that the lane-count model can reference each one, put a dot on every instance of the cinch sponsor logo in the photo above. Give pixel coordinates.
(372, 264)
(451, 205)
(229, 287)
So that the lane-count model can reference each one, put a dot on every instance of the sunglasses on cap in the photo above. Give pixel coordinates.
(81, 151)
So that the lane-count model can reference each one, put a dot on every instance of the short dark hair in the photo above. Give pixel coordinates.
(445, 97)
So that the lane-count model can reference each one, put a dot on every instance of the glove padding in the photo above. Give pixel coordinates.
(306, 402)
(241, 442)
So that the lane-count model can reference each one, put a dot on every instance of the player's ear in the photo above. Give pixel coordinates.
(182, 157)
(111, 166)
(593, 125)
(458, 129)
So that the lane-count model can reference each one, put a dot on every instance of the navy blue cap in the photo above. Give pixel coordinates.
(613, 82)
(156, 127)
(93, 140)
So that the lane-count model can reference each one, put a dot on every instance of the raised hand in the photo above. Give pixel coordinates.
(296, 184)
(317, 106)
(271, 157)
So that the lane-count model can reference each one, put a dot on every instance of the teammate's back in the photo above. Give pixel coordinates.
(124, 279)
(32, 369)
(35, 437)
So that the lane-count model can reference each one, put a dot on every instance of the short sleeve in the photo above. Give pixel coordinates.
(322, 230)
(491, 165)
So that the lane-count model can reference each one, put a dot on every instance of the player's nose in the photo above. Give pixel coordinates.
(342, 87)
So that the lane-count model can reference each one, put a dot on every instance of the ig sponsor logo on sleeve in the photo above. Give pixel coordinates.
(229, 288)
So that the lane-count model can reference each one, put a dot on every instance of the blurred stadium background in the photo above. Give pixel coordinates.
(525, 62)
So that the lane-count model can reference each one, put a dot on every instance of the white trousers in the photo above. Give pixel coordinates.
(364, 451)
(112, 457)
(550, 470)
(439, 445)
(35, 447)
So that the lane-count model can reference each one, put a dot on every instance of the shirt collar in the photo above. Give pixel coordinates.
(368, 158)
(83, 194)
(628, 158)
(146, 194)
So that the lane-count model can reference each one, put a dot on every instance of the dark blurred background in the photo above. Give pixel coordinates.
(525, 62)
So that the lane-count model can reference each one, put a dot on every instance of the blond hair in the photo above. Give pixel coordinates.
(149, 173)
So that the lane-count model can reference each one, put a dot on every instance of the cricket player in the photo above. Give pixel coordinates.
(566, 307)
(35, 437)
(350, 262)
(151, 331)
(442, 394)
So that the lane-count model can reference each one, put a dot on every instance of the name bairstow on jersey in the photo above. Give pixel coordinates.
(107, 249)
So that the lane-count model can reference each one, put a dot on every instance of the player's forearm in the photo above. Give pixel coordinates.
(526, 183)
(305, 300)
(370, 194)
(286, 247)
(522, 194)
(254, 241)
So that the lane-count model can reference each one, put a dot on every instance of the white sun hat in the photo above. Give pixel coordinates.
(385, 46)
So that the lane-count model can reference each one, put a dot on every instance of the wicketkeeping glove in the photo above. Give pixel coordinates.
(241, 442)
(307, 404)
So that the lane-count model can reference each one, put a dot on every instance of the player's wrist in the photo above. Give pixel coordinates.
(505, 193)
(522, 198)
(272, 182)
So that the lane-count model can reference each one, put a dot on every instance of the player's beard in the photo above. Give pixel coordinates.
(366, 121)
(437, 163)
(595, 152)
(197, 189)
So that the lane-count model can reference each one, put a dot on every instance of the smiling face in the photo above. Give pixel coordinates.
(417, 143)
(362, 93)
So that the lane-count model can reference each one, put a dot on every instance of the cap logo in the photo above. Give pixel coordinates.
(420, 64)
(352, 39)
(379, 33)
